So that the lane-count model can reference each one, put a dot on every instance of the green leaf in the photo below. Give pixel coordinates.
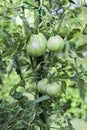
(82, 47)
(31, 5)
(26, 26)
(81, 87)
(63, 86)
(16, 63)
(4, 114)
(80, 54)
(17, 67)
(8, 38)
(20, 124)
(41, 99)
(17, 95)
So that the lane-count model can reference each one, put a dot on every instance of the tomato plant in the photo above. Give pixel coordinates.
(55, 43)
(40, 53)
(36, 45)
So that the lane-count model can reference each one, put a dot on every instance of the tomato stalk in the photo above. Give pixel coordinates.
(32, 64)
(41, 70)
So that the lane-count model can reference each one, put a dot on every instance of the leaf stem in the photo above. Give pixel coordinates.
(77, 19)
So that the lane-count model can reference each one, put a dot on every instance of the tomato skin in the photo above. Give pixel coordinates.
(55, 43)
(52, 89)
(41, 87)
(37, 45)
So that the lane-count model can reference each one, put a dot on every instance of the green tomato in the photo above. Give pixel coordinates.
(53, 89)
(55, 43)
(41, 86)
(36, 127)
(37, 45)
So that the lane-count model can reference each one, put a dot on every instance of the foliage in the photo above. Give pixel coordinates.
(26, 108)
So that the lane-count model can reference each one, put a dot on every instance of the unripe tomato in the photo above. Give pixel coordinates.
(37, 45)
(41, 86)
(55, 43)
(51, 89)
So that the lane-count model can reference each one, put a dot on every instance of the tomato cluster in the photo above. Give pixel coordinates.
(49, 88)
(38, 44)
(36, 47)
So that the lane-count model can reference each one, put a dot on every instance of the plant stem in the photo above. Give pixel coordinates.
(41, 71)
